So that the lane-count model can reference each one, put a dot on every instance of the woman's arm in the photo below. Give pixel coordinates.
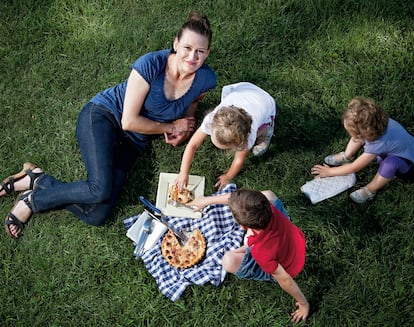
(136, 92)
(361, 162)
(287, 283)
(178, 138)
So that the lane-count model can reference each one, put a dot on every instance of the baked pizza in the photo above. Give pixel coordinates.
(182, 197)
(183, 256)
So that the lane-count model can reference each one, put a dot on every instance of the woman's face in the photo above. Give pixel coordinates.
(192, 49)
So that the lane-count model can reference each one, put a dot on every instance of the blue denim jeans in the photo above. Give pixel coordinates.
(108, 155)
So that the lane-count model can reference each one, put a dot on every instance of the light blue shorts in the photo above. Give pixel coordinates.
(249, 269)
(278, 204)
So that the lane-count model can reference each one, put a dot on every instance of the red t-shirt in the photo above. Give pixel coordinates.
(280, 242)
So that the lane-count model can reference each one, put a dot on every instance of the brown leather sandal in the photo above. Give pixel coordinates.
(11, 218)
(7, 185)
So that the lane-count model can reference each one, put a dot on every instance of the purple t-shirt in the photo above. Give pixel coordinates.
(396, 141)
(157, 107)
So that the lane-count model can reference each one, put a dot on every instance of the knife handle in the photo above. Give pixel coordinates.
(150, 205)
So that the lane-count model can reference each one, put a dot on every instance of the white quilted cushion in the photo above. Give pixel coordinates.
(320, 189)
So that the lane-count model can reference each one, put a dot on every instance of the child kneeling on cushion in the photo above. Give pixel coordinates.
(274, 248)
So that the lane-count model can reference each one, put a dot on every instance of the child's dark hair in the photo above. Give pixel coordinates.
(250, 208)
(365, 118)
(197, 23)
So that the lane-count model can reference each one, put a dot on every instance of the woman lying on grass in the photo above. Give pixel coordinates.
(159, 97)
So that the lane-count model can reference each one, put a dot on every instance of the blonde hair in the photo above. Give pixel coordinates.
(365, 118)
(231, 127)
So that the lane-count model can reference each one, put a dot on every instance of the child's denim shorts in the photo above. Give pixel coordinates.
(249, 269)
(278, 204)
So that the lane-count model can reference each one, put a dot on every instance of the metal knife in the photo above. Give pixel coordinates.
(158, 215)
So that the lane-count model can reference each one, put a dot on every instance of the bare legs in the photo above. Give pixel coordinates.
(377, 183)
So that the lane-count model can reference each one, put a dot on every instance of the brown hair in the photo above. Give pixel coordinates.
(231, 127)
(365, 118)
(250, 208)
(197, 23)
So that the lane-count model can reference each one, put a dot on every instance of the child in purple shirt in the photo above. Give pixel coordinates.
(383, 139)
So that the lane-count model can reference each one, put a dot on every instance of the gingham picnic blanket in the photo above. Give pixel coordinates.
(222, 234)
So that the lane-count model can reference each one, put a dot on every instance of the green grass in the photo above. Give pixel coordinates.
(312, 56)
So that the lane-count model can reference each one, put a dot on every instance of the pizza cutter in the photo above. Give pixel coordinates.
(159, 216)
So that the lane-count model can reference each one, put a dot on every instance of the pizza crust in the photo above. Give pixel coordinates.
(183, 256)
(182, 197)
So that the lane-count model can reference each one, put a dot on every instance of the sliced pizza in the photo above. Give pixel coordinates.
(183, 256)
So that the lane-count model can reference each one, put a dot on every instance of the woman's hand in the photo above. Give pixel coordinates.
(176, 138)
(186, 124)
(181, 131)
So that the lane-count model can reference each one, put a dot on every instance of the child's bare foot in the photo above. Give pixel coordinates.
(19, 215)
(21, 181)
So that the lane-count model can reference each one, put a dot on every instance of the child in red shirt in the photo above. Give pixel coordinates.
(274, 248)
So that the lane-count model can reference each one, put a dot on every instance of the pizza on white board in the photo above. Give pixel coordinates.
(182, 197)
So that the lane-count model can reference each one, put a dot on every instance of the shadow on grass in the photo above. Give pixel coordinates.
(140, 181)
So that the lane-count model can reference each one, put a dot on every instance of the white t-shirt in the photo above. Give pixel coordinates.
(258, 104)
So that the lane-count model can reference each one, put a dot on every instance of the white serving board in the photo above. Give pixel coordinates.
(195, 183)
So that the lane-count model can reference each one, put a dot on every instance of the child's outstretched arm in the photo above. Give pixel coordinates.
(287, 283)
(202, 201)
(234, 169)
(361, 162)
(189, 152)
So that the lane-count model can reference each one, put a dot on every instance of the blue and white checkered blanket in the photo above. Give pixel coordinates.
(222, 234)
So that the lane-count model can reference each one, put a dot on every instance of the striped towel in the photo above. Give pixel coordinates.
(222, 234)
